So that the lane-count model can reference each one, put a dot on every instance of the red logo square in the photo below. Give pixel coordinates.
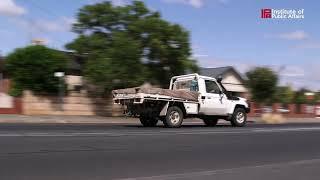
(266, 13)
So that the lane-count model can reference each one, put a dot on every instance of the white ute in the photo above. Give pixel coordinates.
(189, 95)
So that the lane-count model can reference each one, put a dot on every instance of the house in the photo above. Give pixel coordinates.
(77, 100)
(7, 103)
(231, 79)
(4, 82)
(14, 105)
(73, 78)
(73, 73)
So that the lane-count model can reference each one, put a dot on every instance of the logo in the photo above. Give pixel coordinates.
(265, 13)
(282, 13)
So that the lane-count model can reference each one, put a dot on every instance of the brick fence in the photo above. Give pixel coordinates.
(81, 104)
(73, 104)
(15, 109)
(293, 110)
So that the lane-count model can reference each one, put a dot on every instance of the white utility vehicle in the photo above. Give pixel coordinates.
(189, 95)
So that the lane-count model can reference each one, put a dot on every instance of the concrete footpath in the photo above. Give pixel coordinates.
(4, 118)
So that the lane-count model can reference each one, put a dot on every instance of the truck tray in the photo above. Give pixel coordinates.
(187, 95)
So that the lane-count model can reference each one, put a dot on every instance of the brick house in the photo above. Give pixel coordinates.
(8, 104)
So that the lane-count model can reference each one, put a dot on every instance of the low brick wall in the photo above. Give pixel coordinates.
(73, 104)
(15, 109)
(295, 110)
(82, 104)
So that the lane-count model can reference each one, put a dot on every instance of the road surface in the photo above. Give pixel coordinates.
(120, 151)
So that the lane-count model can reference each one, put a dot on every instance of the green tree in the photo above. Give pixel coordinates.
(284, 95)
(300, 97)
(262, 82)
(317, 97)
(132, 44)
(32, 68)
(110, 69)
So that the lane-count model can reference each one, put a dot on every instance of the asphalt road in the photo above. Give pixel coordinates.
(119, 151)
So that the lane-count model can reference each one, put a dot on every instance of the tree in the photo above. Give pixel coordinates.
(284, 95)
(32, 68)
(262, 82)
(131, 43)
(109, 70)
(317, 97)
(300, 97)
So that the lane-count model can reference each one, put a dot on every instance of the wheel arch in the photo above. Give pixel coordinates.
(239, 106)
(231, 110)
(180, 105)
(170, 104)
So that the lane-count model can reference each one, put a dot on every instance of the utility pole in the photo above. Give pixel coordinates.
(60, 75)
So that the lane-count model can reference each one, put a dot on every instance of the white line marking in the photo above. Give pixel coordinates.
(59, 134)
(286, 129)
(161, 133)
(196, 175)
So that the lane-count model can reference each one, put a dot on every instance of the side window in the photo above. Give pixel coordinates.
(194, 86)
(188, 85)
(212, 87)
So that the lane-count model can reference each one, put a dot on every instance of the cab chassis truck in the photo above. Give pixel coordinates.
(210, 102)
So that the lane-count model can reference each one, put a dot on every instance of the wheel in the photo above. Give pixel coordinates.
(148, 122)
(174, 117)
(239, 117)
(209, 121)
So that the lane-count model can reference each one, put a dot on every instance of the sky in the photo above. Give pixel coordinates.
(223, 32)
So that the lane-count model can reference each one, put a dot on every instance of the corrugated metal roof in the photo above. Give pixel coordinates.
(215, 72)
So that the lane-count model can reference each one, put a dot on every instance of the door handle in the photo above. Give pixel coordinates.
(206, 97)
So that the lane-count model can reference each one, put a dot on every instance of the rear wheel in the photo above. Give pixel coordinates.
(239, 117)
(208, 121)
(148, 121)
(174, 117)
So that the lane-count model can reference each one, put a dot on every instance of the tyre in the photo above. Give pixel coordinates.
(210, 121)
(174, 117)
(239, 117)
(148, 122)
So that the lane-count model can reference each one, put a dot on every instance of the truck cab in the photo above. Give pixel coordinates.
(215, 102)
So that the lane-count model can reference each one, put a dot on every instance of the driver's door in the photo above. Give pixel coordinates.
(213, 102)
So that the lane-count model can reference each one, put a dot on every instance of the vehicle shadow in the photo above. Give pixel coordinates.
(183, 126)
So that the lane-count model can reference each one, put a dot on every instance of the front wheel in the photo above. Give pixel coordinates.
(174, 117)
(239, 117)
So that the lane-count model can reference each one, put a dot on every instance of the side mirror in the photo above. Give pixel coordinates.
(219, 79)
